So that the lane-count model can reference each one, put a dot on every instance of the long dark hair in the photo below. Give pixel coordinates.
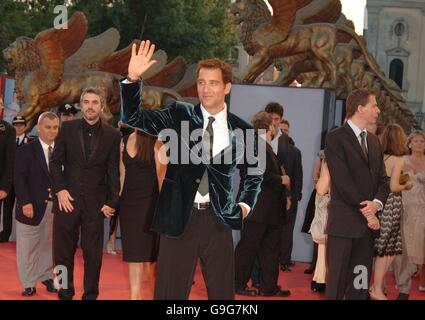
(144, 144)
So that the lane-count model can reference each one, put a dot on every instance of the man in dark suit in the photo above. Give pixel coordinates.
(262, 229)
(7, 158)
(34, 218)
(19, 123)
(295, 173)
(196, 210)
(22, 138)
(280, 146)
(359, 189)
(280, 141)
(84, 168)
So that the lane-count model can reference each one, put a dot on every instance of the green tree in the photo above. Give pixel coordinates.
(194, 29)
(13, 23)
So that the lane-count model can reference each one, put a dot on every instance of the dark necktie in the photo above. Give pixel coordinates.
(49, 156)
(17, 142)
(363, 143)
(207, 145)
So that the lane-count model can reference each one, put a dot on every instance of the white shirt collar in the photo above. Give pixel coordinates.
(356, 129)
(45, 145)
(277, 136)
(220, 118)
(21, 137)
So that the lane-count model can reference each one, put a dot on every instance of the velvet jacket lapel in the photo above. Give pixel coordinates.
(198, 121)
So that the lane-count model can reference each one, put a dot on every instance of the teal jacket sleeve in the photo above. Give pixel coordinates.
(134, 115)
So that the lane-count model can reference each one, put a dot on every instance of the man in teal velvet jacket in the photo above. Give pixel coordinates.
(196, 211)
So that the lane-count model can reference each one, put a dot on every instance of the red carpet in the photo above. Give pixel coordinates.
(114, 281)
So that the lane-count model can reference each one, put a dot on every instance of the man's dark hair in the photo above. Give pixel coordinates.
(274, 107)
(226, 69)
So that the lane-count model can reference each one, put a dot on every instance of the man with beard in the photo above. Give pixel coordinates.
(85, 174)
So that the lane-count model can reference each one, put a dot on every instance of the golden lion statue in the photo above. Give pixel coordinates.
(312, 42)
(55, 67)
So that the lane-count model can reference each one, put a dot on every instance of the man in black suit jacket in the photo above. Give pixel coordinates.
(22, 138)
(7, 158)
(295, 173)
(85, 174)
(262, 229)
(280, 146)
(359, 188)
(196, 210)
(280, 141)
(34, 218)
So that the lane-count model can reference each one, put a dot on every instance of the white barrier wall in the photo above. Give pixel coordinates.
(310, 112)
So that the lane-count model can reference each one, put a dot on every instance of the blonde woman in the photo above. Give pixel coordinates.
(413, 222)
(318, 226)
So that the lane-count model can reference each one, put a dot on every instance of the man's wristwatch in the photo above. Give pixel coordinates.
(133, 80)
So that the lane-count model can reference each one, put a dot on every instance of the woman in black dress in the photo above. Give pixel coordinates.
(141, 175)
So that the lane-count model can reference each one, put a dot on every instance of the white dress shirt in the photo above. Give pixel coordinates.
(221, 141)
(45, 147)
(357, 132)
(20, 138)
(275, 141)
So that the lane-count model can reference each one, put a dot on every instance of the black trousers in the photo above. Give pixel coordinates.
(287, 240)
(7, 215)
(205, 238)
(66, 229)
(349, 267)
(263, 240)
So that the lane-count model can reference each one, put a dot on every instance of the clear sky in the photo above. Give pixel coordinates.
(355, 11)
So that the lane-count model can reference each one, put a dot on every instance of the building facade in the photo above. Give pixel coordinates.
(395, 35)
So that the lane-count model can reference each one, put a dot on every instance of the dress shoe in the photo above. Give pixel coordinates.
(318, 287)
(50, 285)
(278, 293)
(246, 292)
(28, 292)
(403, 296)
(285, 268)
(291, 264)
(65, 294)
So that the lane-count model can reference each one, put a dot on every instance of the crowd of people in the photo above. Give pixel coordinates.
(367, 211)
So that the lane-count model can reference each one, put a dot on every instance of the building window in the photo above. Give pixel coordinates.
(396, 72)
(399, 29)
